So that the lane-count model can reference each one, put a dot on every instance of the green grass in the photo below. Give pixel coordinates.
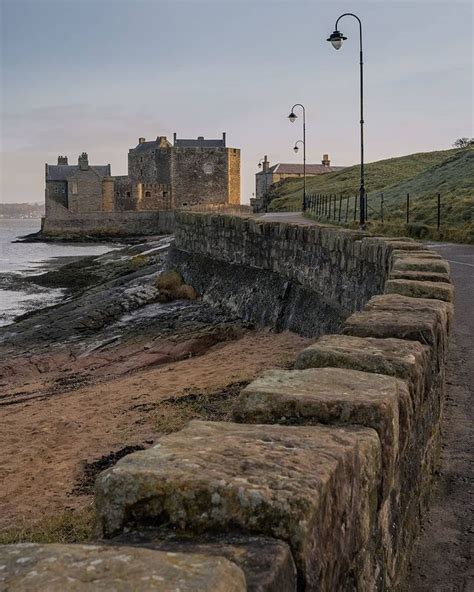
(423, 175)
(69, 526)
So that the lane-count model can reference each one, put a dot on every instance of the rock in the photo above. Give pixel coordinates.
(420, 289)
(96, 568)
(267, 563)
(314, 487)
(169, 281)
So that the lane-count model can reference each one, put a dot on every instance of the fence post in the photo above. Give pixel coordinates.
(381, 207)
(347, 207)
(439, 211)
(355, 207)
(408, 208)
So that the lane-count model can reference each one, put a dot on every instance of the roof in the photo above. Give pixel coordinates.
(200, 142)
(297, 169)
(62, 172)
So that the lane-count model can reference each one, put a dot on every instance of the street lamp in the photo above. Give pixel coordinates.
(293, 117)
(336, 39)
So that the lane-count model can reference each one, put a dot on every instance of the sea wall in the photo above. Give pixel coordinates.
(322, 475)
(103, 224)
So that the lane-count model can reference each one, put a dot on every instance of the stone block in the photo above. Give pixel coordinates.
(102, 568)
(420, 276)
(333, 396)
(314, 487)
(420, 289)
(267, 563)
(418, 254)
(407, 360)
(421, 264)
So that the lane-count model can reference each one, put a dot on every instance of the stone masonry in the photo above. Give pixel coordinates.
(320, 479)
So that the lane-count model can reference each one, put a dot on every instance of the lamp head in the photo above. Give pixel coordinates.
(292, 117)
(296, 148)
(336, 38)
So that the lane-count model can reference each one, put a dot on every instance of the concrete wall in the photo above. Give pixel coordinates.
(102, 224)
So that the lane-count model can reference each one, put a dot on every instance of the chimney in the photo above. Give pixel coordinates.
(162, 142)
(223, 138)
(62, 159)
(83, 161)
(266, 164)
(325, 161)
(141, 140)
(174, 137)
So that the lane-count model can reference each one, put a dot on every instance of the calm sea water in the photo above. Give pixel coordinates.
(18, 260)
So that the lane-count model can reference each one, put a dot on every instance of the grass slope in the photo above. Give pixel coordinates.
(423, 175)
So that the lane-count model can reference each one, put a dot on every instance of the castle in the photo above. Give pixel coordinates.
(86, 198)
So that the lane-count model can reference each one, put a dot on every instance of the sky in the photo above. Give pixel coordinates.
(95, 75)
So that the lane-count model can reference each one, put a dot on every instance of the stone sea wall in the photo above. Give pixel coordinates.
(321, 476)
(103, 224)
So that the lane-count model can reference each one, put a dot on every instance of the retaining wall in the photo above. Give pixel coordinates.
(322, 476)
(104, 224)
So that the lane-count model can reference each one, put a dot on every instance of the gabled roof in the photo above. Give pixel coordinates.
(62, 172)
(283, 168)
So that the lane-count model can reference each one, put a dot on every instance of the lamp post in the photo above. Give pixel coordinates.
(292, 117)
(336, 38)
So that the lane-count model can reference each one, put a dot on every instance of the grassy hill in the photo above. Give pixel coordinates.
(423, 175)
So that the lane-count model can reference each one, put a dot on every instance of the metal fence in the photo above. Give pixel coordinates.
(342, 208)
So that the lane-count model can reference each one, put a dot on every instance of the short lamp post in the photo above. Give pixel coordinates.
(336, 38)
(292, 117)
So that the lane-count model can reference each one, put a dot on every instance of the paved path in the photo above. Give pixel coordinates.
(442, 560)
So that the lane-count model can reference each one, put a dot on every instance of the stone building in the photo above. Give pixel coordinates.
(161, 176)
(269, 175)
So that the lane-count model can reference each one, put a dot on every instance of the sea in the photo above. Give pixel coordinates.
(18, 260)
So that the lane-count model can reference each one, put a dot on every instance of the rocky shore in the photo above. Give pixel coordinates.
(128, 354)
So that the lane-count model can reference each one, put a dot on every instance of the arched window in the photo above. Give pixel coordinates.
(147, 194)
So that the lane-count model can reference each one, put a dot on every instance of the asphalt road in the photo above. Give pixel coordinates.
(443, 558)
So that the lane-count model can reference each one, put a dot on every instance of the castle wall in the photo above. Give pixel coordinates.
(199, 175)
(233, 164)
(113, 224)
(85, 191)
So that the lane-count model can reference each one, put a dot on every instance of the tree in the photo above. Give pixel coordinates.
(463, 142)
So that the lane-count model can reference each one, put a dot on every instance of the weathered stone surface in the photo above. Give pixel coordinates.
(420, 276)
(332, 396)
(420, 289)
(421, 264)
(403, 244)
(96, 568)
(407, 360)
(416, 319)
(315, 487)
(418, 254)
(267, 563)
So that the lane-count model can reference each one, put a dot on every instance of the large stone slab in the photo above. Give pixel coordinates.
(267, 563)
(421, 276)
(407, 360)
(416, 319)
(314, 487)
(421, 264)
(333, 396)
(98, 568)
(420, 289)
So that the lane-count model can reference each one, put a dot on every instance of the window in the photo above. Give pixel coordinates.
(74, 188)
(128, 193)
(147, 194)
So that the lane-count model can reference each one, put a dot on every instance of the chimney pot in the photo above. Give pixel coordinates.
(141, 140)
(325, 161)
(62, 159)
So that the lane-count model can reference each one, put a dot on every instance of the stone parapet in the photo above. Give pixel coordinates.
(334, 459)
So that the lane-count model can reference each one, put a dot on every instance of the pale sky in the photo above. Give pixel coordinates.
(94, 75)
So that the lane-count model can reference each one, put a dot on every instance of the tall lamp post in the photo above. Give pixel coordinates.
(336, 38)
(292, 117)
